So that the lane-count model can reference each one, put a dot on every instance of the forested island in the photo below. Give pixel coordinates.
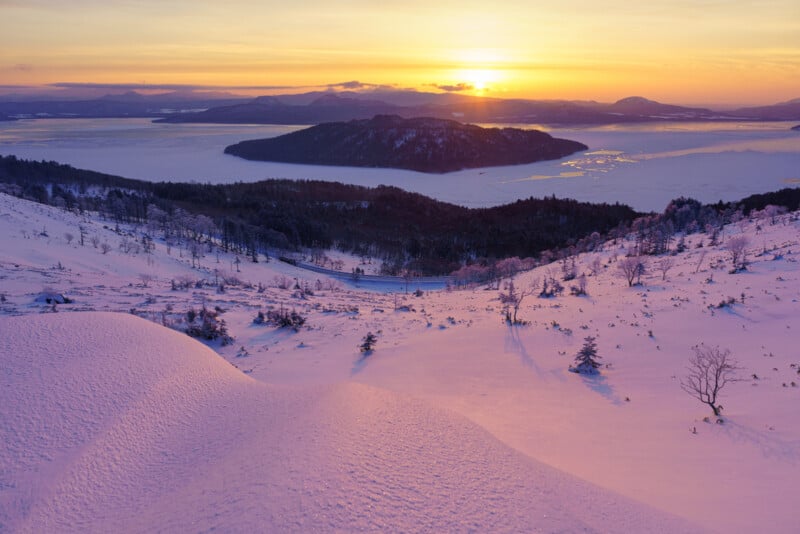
(418, 144)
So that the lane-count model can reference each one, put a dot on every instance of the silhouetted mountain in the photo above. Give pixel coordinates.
(784, 111)
(796, 128)
(642, 107)
(318, 107)
(326, 107)
(420, 144)
(394, 97)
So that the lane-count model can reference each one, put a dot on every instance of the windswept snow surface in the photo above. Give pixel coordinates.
(112, 423)
(455, 422)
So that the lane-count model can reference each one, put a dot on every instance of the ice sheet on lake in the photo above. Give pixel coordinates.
(644, 165)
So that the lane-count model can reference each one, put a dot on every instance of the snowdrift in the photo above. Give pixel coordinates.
(109, 422)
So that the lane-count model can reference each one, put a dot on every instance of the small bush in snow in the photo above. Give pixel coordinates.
(207, 325)
(550, 287)
(368, 343)
(724, 303)
(283, 282)
(282, 318)
(580, 289)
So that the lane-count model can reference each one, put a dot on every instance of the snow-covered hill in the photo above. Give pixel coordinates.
(112, 423)
(456, 421)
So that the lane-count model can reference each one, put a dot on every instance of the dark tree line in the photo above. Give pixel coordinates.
(406, 230)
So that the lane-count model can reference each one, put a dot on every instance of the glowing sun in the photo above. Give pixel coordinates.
(480, 79)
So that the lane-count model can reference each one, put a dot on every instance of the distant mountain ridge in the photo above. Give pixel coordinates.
(642, 107)
(783, 111)
(125, 105)
(419, 144)
(315, 107)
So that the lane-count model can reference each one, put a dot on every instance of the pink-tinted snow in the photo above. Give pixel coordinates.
(456, 421)
(112, 423)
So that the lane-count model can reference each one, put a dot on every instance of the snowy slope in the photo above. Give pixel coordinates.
(444, 360)
(110, 422)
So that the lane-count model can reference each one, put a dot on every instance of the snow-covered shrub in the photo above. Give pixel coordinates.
(283, 318)
(206, 324)
(551, 287)
(725, 303)
(182, 282)
(283, 282)
(569, 269)
(580, 289)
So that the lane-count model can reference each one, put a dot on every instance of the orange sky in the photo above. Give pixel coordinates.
(681, 51)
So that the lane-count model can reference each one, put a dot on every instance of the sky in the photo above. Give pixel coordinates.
(679, 51)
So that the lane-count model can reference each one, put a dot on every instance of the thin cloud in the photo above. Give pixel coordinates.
(355, 84)
(453, 88)
(169, 86)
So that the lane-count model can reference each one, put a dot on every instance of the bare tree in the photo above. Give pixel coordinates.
(512, 300)
(105, 247)
(596, 266)
(69, 237)
(737, 247)
(632, 268)
(665, 264)
(408, 276)
(700, 261)
(710, 369)
(196, 252)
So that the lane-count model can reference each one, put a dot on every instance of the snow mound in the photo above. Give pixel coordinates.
(109, 422)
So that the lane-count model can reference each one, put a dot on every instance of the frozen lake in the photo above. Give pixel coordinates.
(643, 165)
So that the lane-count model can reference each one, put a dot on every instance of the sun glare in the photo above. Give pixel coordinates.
(481, 69)
(481, 80)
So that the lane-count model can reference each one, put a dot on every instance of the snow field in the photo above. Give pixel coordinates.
(337, 441)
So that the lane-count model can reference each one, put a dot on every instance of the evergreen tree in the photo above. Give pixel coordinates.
(368, 343)
(587, 357)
